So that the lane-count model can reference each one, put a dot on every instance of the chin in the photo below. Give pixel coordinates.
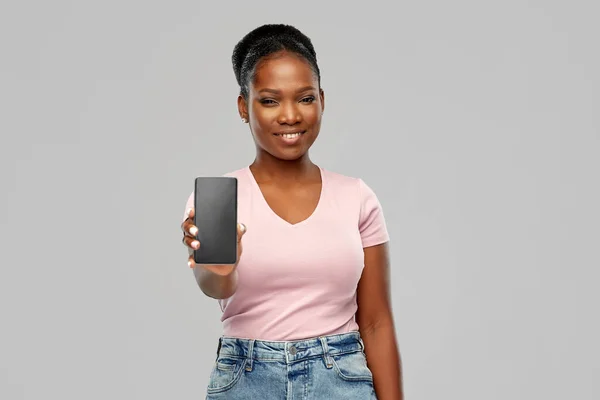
(289, 155)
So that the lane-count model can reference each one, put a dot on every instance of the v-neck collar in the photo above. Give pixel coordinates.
(264, 202)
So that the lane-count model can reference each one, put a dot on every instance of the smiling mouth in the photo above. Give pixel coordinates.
(291, 138)
(292, 135)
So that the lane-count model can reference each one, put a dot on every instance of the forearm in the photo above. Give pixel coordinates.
(216, 285)
(218, 282)
(383, 358)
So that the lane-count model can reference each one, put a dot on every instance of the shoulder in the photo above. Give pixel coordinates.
(350, 185)
(365, 204)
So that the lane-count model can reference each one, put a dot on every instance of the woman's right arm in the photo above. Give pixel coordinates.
(216, 281)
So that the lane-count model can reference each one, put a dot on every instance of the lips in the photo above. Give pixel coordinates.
(289, 134)
(290, 138)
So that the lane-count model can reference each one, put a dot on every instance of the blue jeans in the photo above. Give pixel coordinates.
(329, 367)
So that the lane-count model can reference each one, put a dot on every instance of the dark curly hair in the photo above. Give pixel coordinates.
(263, 42)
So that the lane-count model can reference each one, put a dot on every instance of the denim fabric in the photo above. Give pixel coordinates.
(329, 367)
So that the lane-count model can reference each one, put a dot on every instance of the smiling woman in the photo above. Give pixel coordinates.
(281, 95)
(306, 308)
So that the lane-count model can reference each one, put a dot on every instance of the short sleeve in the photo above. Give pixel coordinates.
(372, 225)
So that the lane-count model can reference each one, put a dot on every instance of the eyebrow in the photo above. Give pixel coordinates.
(303, 89)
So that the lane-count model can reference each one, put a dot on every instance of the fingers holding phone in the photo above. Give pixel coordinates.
(189, 232)
(192, 243)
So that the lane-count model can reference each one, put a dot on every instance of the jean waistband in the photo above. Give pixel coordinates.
(290, 351)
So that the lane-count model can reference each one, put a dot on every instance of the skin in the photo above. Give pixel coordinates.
(285, 97)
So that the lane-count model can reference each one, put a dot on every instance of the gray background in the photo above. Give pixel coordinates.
(475, 122)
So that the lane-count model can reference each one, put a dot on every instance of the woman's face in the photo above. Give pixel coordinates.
(284, 107)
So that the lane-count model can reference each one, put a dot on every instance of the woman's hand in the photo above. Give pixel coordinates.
(191, 242)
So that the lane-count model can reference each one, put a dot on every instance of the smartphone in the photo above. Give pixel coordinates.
(215, 216)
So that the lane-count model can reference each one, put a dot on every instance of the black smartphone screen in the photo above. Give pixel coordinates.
(215, 203)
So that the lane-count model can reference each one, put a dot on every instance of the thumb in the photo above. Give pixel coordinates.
(241, 231)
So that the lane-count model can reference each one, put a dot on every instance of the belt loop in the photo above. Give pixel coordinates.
(250, 355)
(219, 346)
(327, 357)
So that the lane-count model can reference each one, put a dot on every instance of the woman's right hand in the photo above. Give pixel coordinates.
(191, 242)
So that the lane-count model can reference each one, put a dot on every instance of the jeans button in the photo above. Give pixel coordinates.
(293, 350)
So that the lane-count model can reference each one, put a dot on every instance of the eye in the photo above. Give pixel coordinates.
(267, 101)
(308, 99)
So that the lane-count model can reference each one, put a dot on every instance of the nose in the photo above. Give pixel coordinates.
(289, 114)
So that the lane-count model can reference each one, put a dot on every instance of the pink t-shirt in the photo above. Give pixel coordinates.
(299, 281)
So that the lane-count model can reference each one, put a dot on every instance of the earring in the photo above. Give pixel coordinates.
(244, 120)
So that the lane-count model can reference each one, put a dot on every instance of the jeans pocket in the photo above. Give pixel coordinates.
(225, 373)
(352, 367)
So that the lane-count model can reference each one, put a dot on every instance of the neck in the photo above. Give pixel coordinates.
(268, 168)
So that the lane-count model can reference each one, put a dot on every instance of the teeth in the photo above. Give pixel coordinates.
(291, 135)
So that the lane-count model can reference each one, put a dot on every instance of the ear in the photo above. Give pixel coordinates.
(242, 107)
(322, 96)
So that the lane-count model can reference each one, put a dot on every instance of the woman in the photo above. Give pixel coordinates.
(306, 309)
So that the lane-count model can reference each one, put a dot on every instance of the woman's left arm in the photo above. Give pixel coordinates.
(376, 324)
